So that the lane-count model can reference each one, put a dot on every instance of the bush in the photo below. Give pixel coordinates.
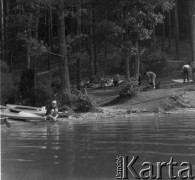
(81, 101)
(85, 103)
(7, 89)
(130, 88)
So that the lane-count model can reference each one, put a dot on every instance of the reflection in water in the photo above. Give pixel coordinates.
(87, 150)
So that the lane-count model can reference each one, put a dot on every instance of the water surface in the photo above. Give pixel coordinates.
(78, 149)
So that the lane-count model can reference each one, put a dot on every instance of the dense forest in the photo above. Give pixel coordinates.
(60, 43)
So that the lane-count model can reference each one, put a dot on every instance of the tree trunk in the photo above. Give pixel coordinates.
(193, 31)
(10, 64)
(137, 61)
(169, 29)
(193, 40)
(2, 31)
(79, 46)
(63, 48)
(131, 65)
(28, 53)
(163, 37)
(35, 80)
(96, 58)
(36, 35)
(78, 74)
(105, 49)
(7, 50)
(126, 57)
(96, 68)
(50, 37)
(176, 30)
(28, 48)
(92, 71)
(105, 40)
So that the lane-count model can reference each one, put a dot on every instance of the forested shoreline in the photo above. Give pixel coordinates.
(64, 42)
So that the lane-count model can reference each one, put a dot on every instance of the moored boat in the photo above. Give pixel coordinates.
(33, 110)
(27, 109)
(5, 121)
(18, 115)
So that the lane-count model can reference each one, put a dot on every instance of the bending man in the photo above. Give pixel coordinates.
(151, 78)
(186, 72)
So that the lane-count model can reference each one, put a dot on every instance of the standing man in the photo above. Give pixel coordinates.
(151, 78)
(186, 72)
(52, 112)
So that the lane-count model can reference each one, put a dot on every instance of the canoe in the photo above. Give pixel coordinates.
(6, 112)
(34, 110)
(5, 121)
(27, 109)
(180, 80)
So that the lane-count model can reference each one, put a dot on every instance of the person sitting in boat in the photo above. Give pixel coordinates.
(52, 112)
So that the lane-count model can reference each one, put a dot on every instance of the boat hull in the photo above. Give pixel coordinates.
(27, 109)
(6, 112)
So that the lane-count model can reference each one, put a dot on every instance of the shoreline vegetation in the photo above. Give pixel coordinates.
(159, 101)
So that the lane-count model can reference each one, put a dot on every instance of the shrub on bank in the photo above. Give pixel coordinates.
(81, 101)
(85, 103)
(130, 88)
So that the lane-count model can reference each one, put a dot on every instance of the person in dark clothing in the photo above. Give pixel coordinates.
(186, 72)
(52, 112)
(116, 80)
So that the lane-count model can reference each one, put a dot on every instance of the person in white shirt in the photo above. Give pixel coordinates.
(186, 72)
(151, 78)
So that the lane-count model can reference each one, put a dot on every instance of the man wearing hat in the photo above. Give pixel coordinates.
(52, 112)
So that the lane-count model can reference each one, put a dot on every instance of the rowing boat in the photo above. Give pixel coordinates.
(33, 110)
(27, 109)
(6, 112)
(5, 121)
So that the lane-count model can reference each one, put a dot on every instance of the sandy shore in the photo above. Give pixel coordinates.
(165, 101)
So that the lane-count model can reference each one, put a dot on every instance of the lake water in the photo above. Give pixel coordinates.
(78, 149)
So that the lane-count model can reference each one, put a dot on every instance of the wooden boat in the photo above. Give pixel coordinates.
(180, 80)
(33, 110)
(12, 114)
(5, 121)
(28, 109)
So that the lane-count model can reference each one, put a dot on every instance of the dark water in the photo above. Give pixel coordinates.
(87, 150)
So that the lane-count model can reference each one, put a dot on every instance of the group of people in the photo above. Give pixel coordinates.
(151, 76)
(52, 111)
(151, 79)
